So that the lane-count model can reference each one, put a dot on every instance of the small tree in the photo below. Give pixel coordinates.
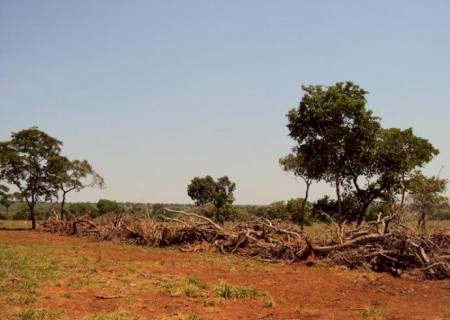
(205, 190)
(24, 164)
(307, 171)
(298, 209)
(107, 206)
(426, 194)
(6, 199)
(72, 176)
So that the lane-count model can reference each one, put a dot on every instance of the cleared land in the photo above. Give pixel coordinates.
(45, 276)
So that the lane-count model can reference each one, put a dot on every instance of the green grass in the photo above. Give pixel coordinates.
(24, 267)
(228, 291)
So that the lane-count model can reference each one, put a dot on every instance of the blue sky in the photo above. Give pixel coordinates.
(153, 93)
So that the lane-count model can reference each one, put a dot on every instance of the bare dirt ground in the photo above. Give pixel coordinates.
(46, 276)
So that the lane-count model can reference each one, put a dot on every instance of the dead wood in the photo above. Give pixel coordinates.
(386, 245)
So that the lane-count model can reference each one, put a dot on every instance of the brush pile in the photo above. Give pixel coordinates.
(385, 245)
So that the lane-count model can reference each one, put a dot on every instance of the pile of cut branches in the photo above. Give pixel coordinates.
(385, 245)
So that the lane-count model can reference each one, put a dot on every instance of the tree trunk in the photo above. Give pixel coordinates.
(305, 199)
(32, 215)
(362, 213)
(339, 200)
(402, 201)
(63, 202)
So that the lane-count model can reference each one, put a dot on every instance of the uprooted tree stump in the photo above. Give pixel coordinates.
(385, 246)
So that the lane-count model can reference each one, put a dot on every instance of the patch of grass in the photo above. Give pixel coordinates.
(22, 299)
(24, 267)
(67, 295)
(196, 281)
(36, 314)
(269, 303)
(371, 314)
(116, 315)
(228, 291)
(192, 287)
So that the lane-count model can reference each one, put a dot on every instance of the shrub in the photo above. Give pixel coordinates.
(228, 291)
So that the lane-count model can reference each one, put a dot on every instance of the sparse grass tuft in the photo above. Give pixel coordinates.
(371, 314)
(269, 303)
(228, 291)
(38, 314)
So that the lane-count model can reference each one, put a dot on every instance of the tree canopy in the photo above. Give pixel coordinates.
(340, 141)
(24, 163)
(205, 190)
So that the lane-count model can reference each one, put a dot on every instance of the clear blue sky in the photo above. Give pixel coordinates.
(153, 93)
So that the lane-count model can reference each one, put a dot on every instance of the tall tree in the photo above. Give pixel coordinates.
(333, 128)
(24, 163)
(71, 176)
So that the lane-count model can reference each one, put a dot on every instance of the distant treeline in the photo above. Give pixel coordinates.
(280, 210)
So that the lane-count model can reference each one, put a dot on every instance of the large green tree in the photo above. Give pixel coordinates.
(24, 164)
(334, 132)
(340, 141)
(71, 176)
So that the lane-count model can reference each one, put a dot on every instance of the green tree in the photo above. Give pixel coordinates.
(307, 171)
(426, 194)
(275, 210)
(23, 164)
(400, 152)
(298, 210)
(205, 190)
(6, 199)
(107, 206)
(332, 129)
(72, 176)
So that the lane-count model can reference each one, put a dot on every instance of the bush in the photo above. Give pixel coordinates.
(107, 206)
(82, 208)
(22, 214)
(225, 213)
(274, 211)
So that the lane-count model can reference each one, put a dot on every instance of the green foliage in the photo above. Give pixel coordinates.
(107, 206)
(68, 176)
(228, 291)
(23, 164)
(206, 190)
(299, 210)
(274, 211)
(338, 140)
(293, 210)
(82, 208)
(426, 195)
